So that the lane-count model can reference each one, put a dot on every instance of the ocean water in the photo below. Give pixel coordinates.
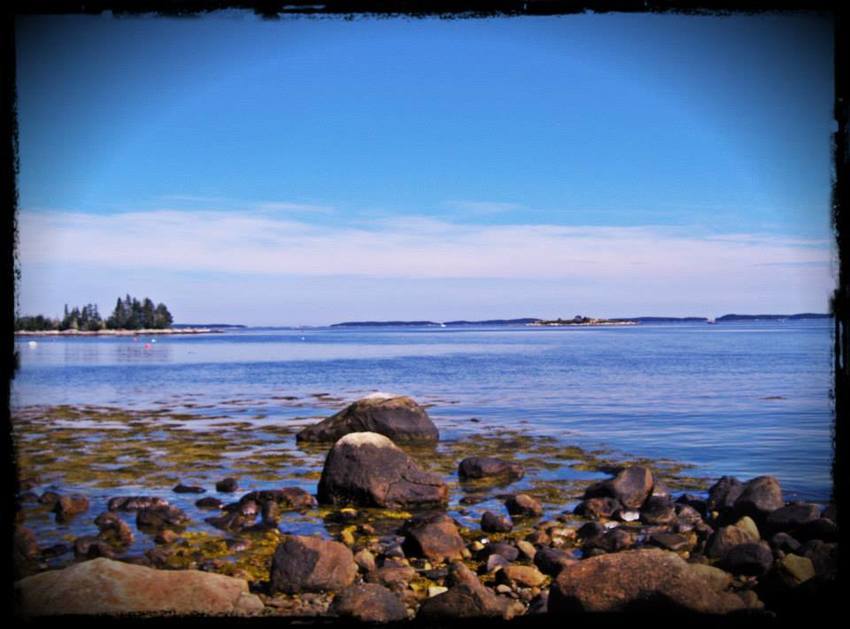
(743, 399)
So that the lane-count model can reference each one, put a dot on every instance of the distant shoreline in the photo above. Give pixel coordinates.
(143, 332)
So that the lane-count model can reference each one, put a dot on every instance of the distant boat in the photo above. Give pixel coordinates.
(711, 321)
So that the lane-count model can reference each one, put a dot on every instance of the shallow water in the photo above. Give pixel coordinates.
(743, 399)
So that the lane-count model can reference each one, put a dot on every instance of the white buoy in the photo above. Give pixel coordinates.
(32, 344)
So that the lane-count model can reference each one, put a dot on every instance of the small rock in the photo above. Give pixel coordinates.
(67, 507)
(166, 536)
(476, 467)
(114, 529)
(822, 529)
(523, 505)
(492, 523)
(631, 486)
(509, 552)
(227, 485)
(785, 543)
(49, 499)
(627, 515)
(658, 510)
(752, 559)
(670, 541)
(434, 536)
(527, 576)
(88, 547)
(595, 508)
(160, 517)
(799, 568)
(527, 549)
(365, 560)
(434, 590)
(720, 580)
(135, 503)
(188, 489)
(496, 562)
(552, 560)
(208, 502)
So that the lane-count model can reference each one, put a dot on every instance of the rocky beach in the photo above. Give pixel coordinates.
(369, 515)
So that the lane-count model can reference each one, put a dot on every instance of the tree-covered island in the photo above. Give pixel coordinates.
(129, 314)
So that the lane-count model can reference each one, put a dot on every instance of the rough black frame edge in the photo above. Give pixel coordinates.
(273, 9)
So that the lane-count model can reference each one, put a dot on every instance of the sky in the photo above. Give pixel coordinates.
(308, 171)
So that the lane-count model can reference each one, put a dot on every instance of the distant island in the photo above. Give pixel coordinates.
(580, 320)
(129, 317)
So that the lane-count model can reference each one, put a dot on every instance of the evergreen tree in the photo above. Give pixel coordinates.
(162, 318)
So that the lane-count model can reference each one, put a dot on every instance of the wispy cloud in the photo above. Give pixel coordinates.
(413, 247)
(483, 207)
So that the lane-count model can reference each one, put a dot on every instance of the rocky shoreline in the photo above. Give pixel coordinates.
(630, 544)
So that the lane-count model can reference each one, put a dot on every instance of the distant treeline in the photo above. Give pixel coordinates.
(129, 314)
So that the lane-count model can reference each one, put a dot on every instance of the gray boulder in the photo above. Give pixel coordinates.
(367, 469)
(310, 564)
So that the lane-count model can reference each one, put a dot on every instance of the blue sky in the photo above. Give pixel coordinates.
(307, 171)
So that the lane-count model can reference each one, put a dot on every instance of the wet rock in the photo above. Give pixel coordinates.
(785, 543)
(467, 598)
(523, 505)
(613, 540)
(590, 531)
(596, 508)
(368, 602)
(54, 550)
(270, 513)
(718, 579)
(399, 418)
(287, 498)
(49, 499)
(394, 576)
(631, 486)
(539, 538)
(478, 467)
(434, 536)
(527, 549)
(106, 587)
(166, 536)
(495, 562)
(759, 497)
(492, 523)
(310, 564)
(161, 517)
(824, 557)
(646, 579)
(798, 569)
(134, 503)
(187, 489)
(509, 552)
(365, 560)
(539, 604)
(790, 517)
(247, 508)
(670, 541)
(727, 537)
(208, 502)
(227, 485)
(367, 469)
(750, 559)
(523, 576)
(723, 494)
(232, 521)
(25, 544)
(552, 560)
(658, 510)
(687, 515)
(66, 507)
(823, 529)
(113, 529)
(89, 547)
(695, 503)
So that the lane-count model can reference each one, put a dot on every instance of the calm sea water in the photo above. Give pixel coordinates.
(735, 398)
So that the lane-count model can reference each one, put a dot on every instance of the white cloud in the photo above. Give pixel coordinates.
(268, 244)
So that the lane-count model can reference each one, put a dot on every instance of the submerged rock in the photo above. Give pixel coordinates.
(631, 486)
(367, 469)
(102, 586)
(286, 498)
(114, 529)
(368, 602)
(493, 523)
(478, 467)
(310, 564)
(180, 488)
(227, 485)
(67, 507)
(134, 503)
(397, 417)
(646, 579)
(167, 516)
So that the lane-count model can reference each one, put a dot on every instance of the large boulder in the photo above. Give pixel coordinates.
(368, 602)
(434, 536)
(367, 469)
(760, 496)
(633, 580)
(106, 587)
(398, 417)
(310, 564)
(631, 486)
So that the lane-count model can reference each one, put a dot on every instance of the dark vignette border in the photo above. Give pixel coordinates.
(349, 9)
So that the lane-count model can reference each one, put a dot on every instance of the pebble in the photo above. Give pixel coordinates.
(434, 590)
